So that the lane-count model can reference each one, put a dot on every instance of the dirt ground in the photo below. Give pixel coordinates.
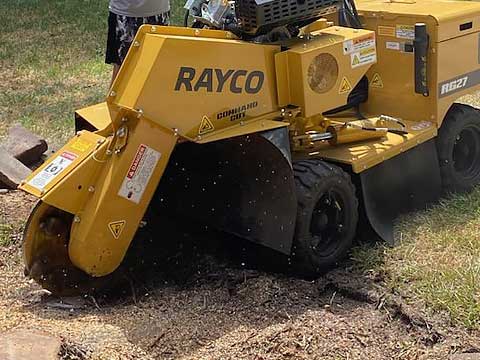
(229, 313)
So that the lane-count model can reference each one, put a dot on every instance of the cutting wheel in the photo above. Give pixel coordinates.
(45, 250)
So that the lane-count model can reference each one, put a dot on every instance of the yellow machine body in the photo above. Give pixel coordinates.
(166, 93)
(181, 85)
(453, 57)
(328, 71)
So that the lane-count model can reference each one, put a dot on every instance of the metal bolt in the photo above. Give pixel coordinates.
(100, 141)
(76, 219)
(136, 44)
(124, 119)
(108, 152)
(197, 32)
(113, 93)
(142, 224)
(118, 151)
(91, 189)
(121, 132)
(154, 28)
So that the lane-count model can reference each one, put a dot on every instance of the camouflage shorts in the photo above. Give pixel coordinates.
(122, 31)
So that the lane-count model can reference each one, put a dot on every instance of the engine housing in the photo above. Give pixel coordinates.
(257, 17)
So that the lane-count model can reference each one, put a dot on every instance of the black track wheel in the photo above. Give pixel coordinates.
(458, 147)
(327, 216)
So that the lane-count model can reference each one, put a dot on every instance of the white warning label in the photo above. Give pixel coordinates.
(393, 45)
(52, 170)
(406, 32)
(356, 45)
(139, 174)
(364, 57)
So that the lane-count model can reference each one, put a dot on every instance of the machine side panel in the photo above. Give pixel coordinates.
(322, 71)
(392, 79)
(453, 59)
(197, 85)
(458, 70)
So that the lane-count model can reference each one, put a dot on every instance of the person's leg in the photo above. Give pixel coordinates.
(111, 55)
(125, 30)
(161, 19)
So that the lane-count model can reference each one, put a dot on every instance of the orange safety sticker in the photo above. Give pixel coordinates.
(386, 31)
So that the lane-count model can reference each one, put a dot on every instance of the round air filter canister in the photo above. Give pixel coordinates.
(323, 73)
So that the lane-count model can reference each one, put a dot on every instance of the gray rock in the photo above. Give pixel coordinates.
(12, 171)
(25, 146)
(29, 345)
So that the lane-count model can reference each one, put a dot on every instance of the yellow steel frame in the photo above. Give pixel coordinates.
(146, 111)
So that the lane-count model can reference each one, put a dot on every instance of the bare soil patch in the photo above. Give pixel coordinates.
(222, 312)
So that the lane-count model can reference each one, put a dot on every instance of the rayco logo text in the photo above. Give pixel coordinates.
(217, 80)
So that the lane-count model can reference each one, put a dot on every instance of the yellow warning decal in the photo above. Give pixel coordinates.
(116, 228)
(80, 145)
(206, 126)
(376, 81)
(355, 60)
(345, 86)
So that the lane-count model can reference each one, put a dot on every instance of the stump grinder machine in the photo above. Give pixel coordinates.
(283, 122)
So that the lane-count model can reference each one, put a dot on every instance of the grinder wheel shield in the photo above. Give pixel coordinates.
(45, 251)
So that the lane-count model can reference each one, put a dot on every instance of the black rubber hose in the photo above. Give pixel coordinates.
(350, 12)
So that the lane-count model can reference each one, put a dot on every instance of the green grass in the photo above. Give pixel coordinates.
(438, 260)
(6, 234)
(52, 62)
